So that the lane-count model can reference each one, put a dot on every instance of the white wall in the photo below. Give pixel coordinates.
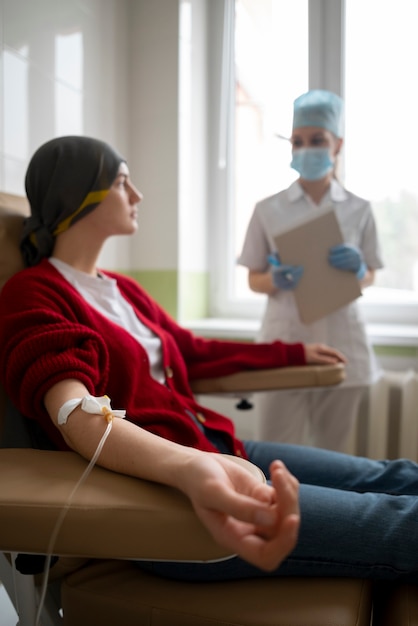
(63, 70)
(168, 132)
(154, 128)
(110, 69)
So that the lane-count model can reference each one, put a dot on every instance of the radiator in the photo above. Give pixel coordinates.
(387, 425)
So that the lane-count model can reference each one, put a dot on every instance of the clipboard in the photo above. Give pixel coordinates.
(322, 289)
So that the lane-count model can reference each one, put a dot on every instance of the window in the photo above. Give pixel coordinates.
(269, 69)
(266, 84)
(381, 138)
(69, 84)
(281, 49)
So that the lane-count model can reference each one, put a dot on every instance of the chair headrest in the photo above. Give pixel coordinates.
(13, 209)
(12, 212)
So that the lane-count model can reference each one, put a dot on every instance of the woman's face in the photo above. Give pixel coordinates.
(117, 213)
(315, 137)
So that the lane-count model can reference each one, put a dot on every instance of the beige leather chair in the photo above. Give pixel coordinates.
(114, 519)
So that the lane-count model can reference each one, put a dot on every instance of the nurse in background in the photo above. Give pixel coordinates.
(322, 418)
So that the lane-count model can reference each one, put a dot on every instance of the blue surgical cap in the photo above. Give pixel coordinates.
(319, 108)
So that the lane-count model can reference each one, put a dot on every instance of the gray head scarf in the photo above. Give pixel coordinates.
(67, 178)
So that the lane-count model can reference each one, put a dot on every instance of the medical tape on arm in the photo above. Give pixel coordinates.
(94, 406)
(89, 404)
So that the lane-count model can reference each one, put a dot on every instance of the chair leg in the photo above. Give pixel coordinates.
(7, 578)
(51, 610)
(24, 595)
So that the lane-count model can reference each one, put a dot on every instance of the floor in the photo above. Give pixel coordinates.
(8, 616)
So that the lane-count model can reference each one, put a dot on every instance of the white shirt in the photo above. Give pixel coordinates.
(102, 293)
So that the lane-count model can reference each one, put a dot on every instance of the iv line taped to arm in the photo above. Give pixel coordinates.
(94, 406)
(89, 404)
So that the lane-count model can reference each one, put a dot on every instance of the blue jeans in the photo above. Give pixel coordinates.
(359, 519)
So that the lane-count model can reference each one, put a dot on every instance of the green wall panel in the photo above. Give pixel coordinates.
(194, 289)
(398, 351)
(163, 286)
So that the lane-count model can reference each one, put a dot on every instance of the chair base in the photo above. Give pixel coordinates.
(396, 604)
(117, 592)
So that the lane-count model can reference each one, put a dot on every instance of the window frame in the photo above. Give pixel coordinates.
(326, 71)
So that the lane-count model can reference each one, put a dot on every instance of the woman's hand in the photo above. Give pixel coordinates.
(322, 354)
(257, 521)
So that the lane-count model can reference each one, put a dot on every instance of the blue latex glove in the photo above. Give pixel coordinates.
(349, 258)
(284, 276)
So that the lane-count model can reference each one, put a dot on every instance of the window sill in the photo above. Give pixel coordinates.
(246, 329)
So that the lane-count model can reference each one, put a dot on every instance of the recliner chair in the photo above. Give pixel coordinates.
(114, 519)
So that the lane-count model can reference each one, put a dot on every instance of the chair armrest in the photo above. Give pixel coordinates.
(111, 515)
(272, 379)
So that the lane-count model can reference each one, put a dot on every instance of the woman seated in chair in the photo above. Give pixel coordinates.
(72, 336)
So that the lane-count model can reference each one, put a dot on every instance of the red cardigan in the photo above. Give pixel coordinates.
(49, 333)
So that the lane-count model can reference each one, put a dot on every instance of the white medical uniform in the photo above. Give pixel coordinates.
(319, 417)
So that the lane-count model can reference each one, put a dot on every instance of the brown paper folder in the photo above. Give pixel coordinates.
(322, 288)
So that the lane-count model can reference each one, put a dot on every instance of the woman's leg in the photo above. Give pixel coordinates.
(326, 468)
(344, 533)
(350, 534)
(359, 516)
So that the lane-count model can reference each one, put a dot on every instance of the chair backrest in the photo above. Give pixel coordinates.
(15, 430)
(13, 208)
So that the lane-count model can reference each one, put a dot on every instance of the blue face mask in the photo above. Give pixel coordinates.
(312, 163)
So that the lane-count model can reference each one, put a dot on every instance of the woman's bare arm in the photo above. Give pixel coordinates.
(258, 521)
